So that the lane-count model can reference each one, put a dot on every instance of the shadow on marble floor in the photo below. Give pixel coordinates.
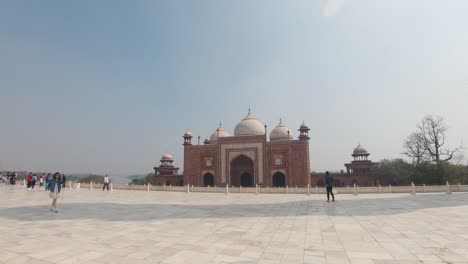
(154, 212)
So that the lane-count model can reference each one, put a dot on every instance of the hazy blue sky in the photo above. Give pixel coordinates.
(109, 86)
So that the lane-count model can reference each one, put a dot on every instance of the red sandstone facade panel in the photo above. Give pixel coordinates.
(219, 159)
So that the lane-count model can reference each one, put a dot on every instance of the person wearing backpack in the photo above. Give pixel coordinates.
(47, 181)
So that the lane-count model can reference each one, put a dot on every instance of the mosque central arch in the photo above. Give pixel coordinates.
(242, 172)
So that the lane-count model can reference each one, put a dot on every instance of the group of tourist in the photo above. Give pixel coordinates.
(53, 184)
(44, 180)
(10, 177)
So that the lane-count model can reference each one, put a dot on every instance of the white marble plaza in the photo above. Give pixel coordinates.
(175, 227)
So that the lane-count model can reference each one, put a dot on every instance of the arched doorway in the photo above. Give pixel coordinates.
(242, 172)
(246, 180)
(279, 180)
(208, 179)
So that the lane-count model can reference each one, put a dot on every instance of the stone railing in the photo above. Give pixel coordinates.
(412, 189)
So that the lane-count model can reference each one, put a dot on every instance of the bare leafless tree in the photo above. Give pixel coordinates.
(428, 142)
(414, 148)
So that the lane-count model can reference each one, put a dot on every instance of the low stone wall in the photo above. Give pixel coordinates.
(297, 190)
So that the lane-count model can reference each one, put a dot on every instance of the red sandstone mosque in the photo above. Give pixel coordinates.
(249, 157)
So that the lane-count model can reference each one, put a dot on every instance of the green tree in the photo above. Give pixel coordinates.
(431, 173)
(395, 172)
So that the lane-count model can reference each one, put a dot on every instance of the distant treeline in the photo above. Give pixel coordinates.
(400, 172)
(92, 178)
(142, 179)
(403, 173)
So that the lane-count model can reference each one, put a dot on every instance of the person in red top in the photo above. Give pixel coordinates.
(30, 179)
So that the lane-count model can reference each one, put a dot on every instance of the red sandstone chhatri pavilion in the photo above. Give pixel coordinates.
(167, 173)
(359, 171)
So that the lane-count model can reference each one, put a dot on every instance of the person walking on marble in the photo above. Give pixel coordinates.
(29, 179)
(329, 184)
(41, 181)
(34, 180)
(55, 186)
(14, 178)
(64, 180)
(106, 183)
(47, 181)
(3, 180)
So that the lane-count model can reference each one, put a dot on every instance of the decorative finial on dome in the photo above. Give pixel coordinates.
(249, 110)
(280, 124)
(220, 125)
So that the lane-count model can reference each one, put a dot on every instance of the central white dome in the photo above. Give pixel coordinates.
(249, 126)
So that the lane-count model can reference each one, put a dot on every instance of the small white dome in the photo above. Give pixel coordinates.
(188, 134)
(360, 150)
(220, 132)
(167, 156)
(303, 126)
(280, 132)
(249, 126)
